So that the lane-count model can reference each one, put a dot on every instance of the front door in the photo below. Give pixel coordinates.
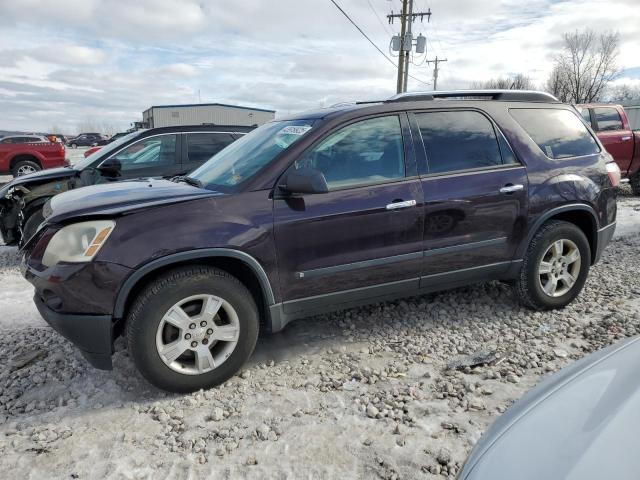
(154, 156)
(475, 194)
(364, 236)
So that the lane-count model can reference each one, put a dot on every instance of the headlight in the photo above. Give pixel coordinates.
(77, 243)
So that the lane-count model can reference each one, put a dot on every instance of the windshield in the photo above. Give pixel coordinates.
(241, 160)
(110, 147)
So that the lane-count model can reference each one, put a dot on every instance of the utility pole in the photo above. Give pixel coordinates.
(404, 43)
(435, 70)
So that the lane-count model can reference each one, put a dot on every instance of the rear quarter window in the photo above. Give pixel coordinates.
(558, 133)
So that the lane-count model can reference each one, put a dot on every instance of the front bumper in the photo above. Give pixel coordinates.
(77, 300)
(605, 234)
(92, 334)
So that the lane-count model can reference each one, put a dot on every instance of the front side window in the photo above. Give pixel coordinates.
(148, 152)
(202, 146)
(607, 119)
(459, 140)
(367, 152)
(559, 133)
(586, 116)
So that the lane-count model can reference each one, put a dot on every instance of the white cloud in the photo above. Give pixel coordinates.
(110, 59)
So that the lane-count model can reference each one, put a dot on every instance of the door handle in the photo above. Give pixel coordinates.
(626, 139)
(511, 188)
(399, 205)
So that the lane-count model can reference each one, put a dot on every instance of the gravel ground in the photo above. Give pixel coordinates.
(383, 391)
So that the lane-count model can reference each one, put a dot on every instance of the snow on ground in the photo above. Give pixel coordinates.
(369, 392)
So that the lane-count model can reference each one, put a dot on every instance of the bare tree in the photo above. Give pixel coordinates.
(623, 93)
(584, 67)
(517, 82)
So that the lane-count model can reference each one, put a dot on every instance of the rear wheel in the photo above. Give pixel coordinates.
(635, 184)
(74, 145)
(192, 328)
(555, 266)
(25, 167)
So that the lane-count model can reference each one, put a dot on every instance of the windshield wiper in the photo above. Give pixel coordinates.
(188, 180)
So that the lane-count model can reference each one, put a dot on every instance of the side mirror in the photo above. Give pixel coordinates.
(110, 168)
(305, 180)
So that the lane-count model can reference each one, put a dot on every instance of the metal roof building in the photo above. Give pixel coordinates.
(204, 114)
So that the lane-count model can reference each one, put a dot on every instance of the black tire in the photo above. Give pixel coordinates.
(32, 224)
(25, 164)
(161, 295)
(528, 286)
(635, 184)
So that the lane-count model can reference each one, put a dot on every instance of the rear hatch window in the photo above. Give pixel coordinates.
(559, 133)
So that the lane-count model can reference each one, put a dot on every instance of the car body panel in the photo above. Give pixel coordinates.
(623, 144)
(577, 425)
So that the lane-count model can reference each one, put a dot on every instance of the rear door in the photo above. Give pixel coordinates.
(363, 238)
(198, 147)
(475, 194)
(617, 140)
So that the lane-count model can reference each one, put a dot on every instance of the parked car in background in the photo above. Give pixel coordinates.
(24, 154)
(611, 124)
(579, 424)
(85, 140)
(91, 151)
(161, 152)
(58, 138)
(321, 211)
(25, 139)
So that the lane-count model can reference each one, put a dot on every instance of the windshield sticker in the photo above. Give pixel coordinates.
(295, 130)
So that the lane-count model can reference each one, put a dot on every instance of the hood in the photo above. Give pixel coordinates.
(43, 175)
(580, 424)
(120, 197)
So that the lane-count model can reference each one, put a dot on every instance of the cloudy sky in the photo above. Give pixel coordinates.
(69, 63)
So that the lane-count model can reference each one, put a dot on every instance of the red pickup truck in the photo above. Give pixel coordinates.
(611, 124)
(24, 154)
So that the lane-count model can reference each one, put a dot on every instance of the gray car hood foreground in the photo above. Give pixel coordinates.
(581, 424)
(120, 197)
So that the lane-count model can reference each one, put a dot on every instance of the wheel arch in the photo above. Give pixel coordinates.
(581, 215)
(237, 263)
(19, 157)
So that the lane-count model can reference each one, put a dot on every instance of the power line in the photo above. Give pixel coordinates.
(371, 41)
(384, 25)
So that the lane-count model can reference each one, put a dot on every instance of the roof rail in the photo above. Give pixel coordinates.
(503, 95)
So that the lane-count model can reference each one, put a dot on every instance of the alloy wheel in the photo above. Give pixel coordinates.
(198, 334)
(559, 268)
(26, 170)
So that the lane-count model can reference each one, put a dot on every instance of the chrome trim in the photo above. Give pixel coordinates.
(465, 246)
(160, 135)
(512, 188)
(399, 205)
(611, 225)
(345, 267)
(376, 262)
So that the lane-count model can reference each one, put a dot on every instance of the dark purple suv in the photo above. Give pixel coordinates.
(321, 211)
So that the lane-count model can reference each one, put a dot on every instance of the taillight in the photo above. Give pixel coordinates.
(613, 170)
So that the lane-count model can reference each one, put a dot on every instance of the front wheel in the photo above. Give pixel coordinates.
(555, 267)
(192, 328)
(31, 225)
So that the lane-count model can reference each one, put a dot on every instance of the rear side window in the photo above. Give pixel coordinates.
(558, 133)
(460, 140)
(202, 146)
(607, 119)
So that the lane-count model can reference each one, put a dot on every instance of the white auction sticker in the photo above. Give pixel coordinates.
(295, 130)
